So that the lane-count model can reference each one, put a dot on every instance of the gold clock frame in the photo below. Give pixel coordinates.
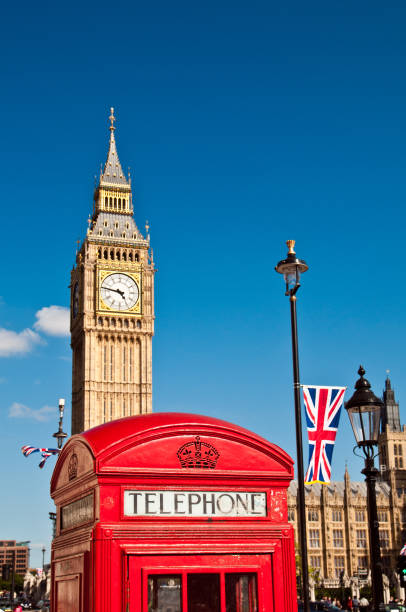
(103, 307)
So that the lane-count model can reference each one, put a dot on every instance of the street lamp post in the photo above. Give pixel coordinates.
(292, 268)
(43, 558)
(60, 435)
(364, 411)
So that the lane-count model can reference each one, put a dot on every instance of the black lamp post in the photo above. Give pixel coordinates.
(43, 558)
(60, 435)
(292, 268)
(364, 410)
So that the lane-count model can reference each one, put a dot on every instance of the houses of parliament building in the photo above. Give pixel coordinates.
(112, 325)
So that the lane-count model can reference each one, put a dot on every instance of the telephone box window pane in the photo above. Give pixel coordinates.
(203, 593)
(241, 593)
(164, 593)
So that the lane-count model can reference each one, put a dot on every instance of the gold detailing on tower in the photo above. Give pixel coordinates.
(291, 246)
(112, 119)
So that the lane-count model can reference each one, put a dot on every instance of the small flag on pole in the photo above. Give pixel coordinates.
(323, 407)
(45, 453)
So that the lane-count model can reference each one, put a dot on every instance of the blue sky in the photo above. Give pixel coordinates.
(244, 124)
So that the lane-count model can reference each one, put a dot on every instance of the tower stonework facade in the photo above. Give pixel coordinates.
(112, 307)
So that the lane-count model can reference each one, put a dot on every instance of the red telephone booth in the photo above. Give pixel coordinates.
(172, 513)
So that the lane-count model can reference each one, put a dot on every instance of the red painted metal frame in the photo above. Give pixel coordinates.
(185, 565)
(141, 453)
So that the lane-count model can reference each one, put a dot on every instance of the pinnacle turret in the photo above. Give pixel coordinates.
(390, 412)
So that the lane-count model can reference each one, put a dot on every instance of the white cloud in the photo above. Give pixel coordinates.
(14, 343)
(20, 411)
(53, 320)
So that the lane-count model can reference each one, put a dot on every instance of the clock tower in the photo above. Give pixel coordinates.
(112, 307)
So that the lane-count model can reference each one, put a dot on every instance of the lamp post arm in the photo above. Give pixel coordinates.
(299, 456)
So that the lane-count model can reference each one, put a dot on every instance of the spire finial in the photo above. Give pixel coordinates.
(291, 246)
(112, 120)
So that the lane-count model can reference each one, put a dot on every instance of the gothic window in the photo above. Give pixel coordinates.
(291, 514)
(139, 324)
(111, 202)
(338, 566)
(100, 232)
(116, 224)
(400, 462)
(126, 323)
(111, 410)
(124, 408)
(136, 257)
(124, 363)
(134, 235)
(130, 365)
(336, 516)
(395, 449)
(111, 234)
(99, 253)
(105, 362)
(130, 256)
(105, 223)
(314, 538)
(115, 202)
(105, 254)
(118, 255)
(127, 225)
(119, 204)
(111, 252)
(111, 362)
(123, 235)
(312, 515)
(382, 516)
(384, 538)
(315, 562)
(360, 516)
(124, 255)
(106, 201)
(338, 540)
(396, 462)
(361, 538)
(104, 411)
(100, 321)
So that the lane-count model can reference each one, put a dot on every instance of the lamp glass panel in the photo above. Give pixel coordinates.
(365, 422)
(292, 277)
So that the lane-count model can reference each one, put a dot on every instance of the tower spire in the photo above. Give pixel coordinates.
(113, 174)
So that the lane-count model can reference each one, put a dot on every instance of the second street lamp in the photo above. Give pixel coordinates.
(364, 411)
(60, 435)
(292, 268)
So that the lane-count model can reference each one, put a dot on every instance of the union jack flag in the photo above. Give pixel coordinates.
(323, 407)
(45, 452)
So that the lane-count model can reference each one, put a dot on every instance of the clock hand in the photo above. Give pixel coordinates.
(116, 290)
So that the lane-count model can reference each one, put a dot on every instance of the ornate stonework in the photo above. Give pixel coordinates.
(112, 307)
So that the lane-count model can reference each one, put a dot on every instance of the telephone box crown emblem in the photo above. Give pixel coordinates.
(198, 454)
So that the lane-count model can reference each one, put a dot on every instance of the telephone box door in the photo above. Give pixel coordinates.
(201, 583)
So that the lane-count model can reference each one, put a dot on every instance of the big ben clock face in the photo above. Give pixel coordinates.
(119, 291)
